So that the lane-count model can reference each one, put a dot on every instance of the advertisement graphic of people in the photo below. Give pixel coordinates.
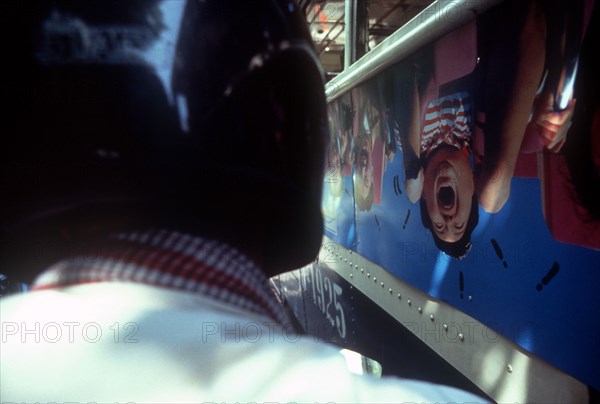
(463, 148)
(438, 171)
(337, 195)
(374, 143)
(528, 104)
(476, 173)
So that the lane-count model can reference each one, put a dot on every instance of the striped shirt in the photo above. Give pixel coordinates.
(173, 260)
(447, 121)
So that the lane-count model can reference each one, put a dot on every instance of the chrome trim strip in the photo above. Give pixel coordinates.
(501, 368)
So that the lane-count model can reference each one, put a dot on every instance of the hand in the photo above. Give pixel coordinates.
(414, 187)
(552, 126)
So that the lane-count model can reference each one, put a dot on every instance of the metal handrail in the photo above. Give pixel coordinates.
(436, 20)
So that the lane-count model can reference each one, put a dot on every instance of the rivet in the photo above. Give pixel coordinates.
(374, 279)
(420, 310)
(351, 276)
(356, 266)
(368, 275)
(399, 296)
(470, 298)
(362, 270)
(391, 291)
(509, 368)
(381, 284)
(345, 259)
(349, 251)
(350, 263)
(431, 317)
(409, 302)
(461, 337)
(445, 327)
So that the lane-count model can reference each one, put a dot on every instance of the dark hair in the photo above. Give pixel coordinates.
(101, 142)
(457, 249)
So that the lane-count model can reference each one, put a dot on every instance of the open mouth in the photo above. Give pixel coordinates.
(446, 197)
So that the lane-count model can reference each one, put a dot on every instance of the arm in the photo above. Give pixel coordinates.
(411, 150)
(508, 106)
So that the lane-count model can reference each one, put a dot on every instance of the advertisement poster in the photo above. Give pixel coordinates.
(471, 171)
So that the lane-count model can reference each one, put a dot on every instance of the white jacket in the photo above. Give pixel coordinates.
(126, 342)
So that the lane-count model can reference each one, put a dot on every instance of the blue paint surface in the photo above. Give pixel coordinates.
(553, 323)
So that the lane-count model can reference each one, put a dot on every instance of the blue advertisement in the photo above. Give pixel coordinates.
(471, 170)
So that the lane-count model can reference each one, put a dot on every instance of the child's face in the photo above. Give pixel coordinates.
(448, 191)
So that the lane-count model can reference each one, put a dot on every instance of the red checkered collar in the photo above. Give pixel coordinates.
(172, 260)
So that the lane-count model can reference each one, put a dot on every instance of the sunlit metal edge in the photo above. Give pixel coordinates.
(434, 21)
(501, 368)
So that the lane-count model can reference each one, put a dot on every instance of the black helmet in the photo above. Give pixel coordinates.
(200, 114)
